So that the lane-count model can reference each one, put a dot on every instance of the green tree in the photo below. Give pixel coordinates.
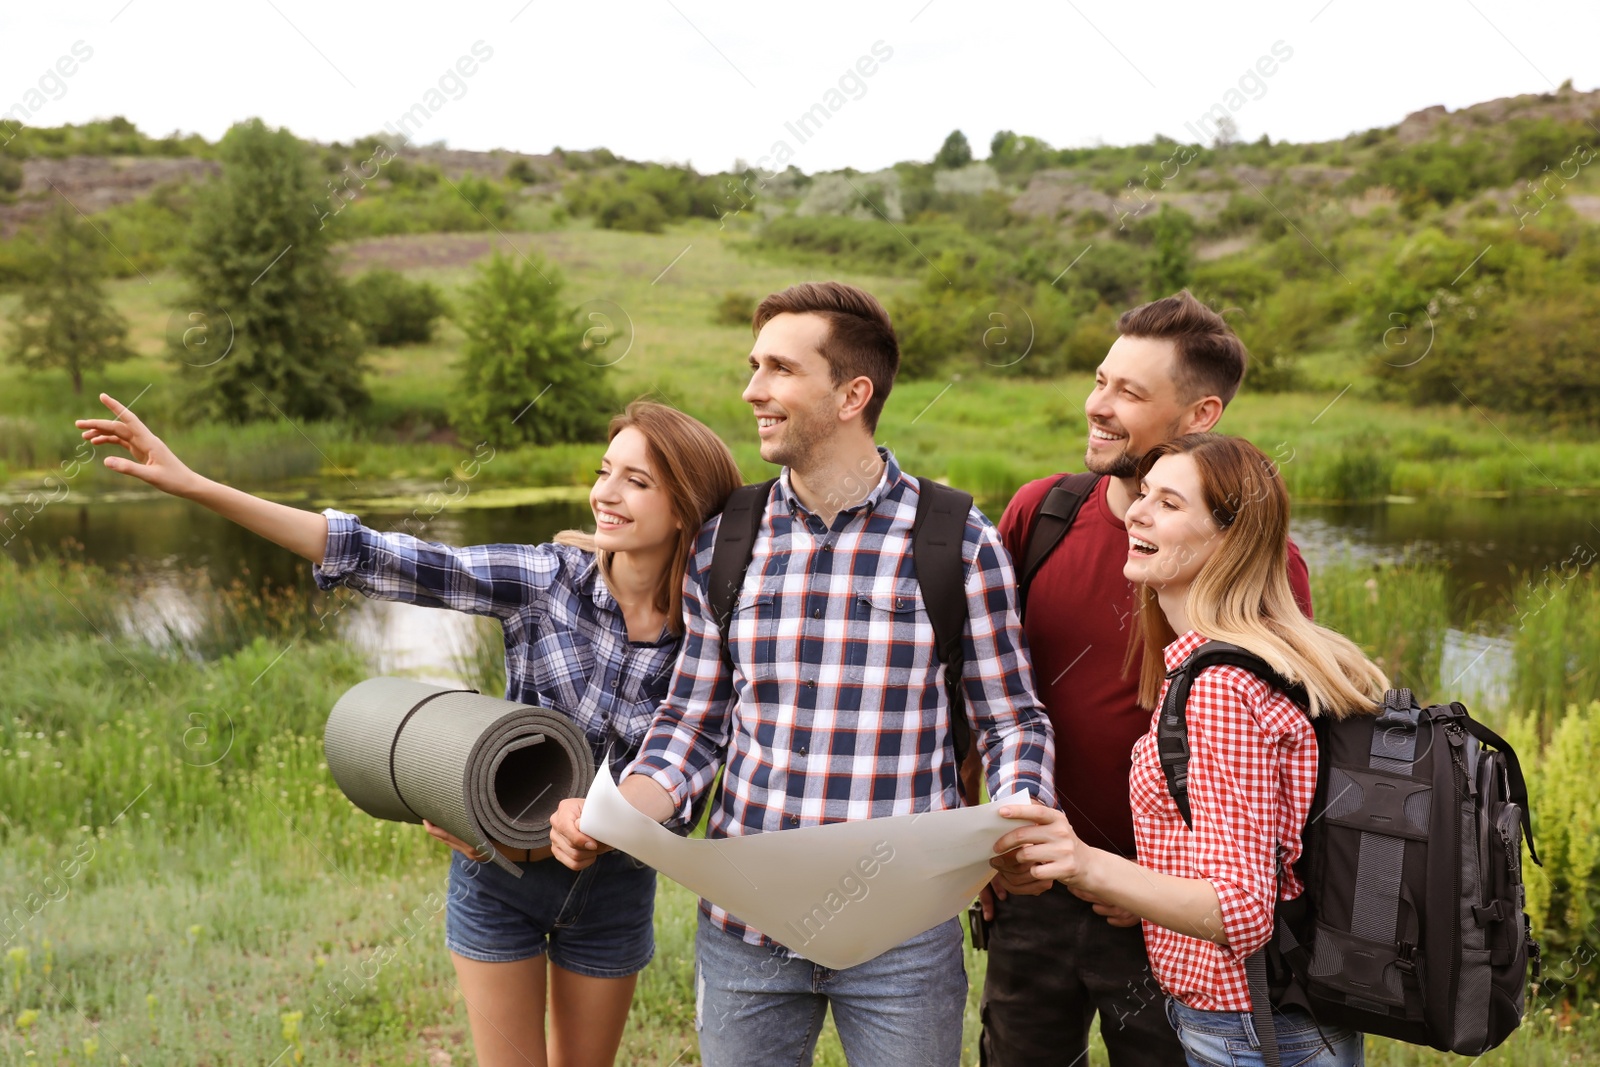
(955, 152)
(261, 280)
(393, 309)
(1173, 233)
(530, 369)
(64, 321)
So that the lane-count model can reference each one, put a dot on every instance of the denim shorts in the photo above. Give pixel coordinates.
(1228, 1039)
(596, 922)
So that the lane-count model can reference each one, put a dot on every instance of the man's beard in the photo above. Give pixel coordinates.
(1122, 465)
(799, 444)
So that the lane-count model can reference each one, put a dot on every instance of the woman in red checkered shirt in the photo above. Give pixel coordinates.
(1207, 537)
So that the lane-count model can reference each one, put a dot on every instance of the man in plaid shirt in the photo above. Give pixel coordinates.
(834, 708)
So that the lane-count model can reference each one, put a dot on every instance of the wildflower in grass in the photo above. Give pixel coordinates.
(26, 1019)
(193, 934)
(48, 964)
(91, 1047)
(150, 1006)
(17, 963)
(291, 1032)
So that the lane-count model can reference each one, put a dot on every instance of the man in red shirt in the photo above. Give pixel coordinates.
(1056, 960)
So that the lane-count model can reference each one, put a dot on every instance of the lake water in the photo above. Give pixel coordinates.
(1483, 544)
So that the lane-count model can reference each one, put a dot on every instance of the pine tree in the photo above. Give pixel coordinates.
(64, 321)
(955, 152)
(261, 280)
(530, 370)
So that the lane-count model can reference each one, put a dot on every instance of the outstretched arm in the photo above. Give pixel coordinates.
(305, 533)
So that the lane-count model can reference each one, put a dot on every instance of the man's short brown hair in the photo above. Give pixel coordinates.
(1211, 358)
(860, 340)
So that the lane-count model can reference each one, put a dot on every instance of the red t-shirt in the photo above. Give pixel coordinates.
(1079, 622)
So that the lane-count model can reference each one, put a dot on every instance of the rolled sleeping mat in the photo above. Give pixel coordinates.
(475, 765)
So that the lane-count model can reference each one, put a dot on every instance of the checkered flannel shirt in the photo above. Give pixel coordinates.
(835, 709)
(1252, 773)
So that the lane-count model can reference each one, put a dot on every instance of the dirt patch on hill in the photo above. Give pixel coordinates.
(93, 183)
(409, 251)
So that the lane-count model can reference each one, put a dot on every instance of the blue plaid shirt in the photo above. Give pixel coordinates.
(567, 646)
(835, 709)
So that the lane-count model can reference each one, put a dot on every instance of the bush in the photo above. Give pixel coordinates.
(524, 375)
(1564, 894)
(857, 244)
(644, 199)
(734, 309)
(1278, 329)
(393, 310)
(10, 175)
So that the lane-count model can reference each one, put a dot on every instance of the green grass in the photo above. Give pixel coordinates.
(985, 429)
(181, 881)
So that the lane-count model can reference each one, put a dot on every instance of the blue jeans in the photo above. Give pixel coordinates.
(1228, 1039)
(596, 922)
(757, 1005)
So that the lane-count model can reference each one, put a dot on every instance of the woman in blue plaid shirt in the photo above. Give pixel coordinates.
(593, 625)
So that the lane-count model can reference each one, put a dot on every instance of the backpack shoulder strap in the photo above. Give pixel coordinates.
(937, 534)
(1517, 785)
(730, 555)
(1172, 726)
(1056, 514)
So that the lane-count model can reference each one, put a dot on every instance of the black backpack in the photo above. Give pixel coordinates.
(1059, 508)
(1412, 923)
(937, 534)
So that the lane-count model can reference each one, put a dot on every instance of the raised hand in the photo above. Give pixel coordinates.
(152, 461)
(304, 533)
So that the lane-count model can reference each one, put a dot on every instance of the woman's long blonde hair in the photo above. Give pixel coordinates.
(696, 471)
(1242, 594)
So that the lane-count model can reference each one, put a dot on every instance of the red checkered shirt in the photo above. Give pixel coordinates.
(1252, 773)
(835, 709)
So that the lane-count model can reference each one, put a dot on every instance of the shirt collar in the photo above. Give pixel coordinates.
(887, 483)
(1179, 650)
(595, 582)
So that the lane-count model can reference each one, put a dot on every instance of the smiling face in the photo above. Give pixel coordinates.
(632, 513)
(1134, 405)
(1171, 530)
(791, 390)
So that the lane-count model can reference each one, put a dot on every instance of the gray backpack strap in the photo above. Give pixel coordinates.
(1255, 969)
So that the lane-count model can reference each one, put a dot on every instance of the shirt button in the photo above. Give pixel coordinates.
(816, 613)
(801, 751)
(615, 682)
(811, 683)
(794, 820)
(827, 548)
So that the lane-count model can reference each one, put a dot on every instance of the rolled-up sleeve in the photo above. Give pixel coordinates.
(495, 580)
(997, 678)
(687, 742)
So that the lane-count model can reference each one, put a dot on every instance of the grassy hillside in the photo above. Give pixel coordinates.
(985, 429)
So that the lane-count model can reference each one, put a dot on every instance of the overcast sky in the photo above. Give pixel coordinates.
(710, 82)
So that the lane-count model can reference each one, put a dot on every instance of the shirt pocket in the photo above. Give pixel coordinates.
(753, 633)
(1147, 794)
(890, 637)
